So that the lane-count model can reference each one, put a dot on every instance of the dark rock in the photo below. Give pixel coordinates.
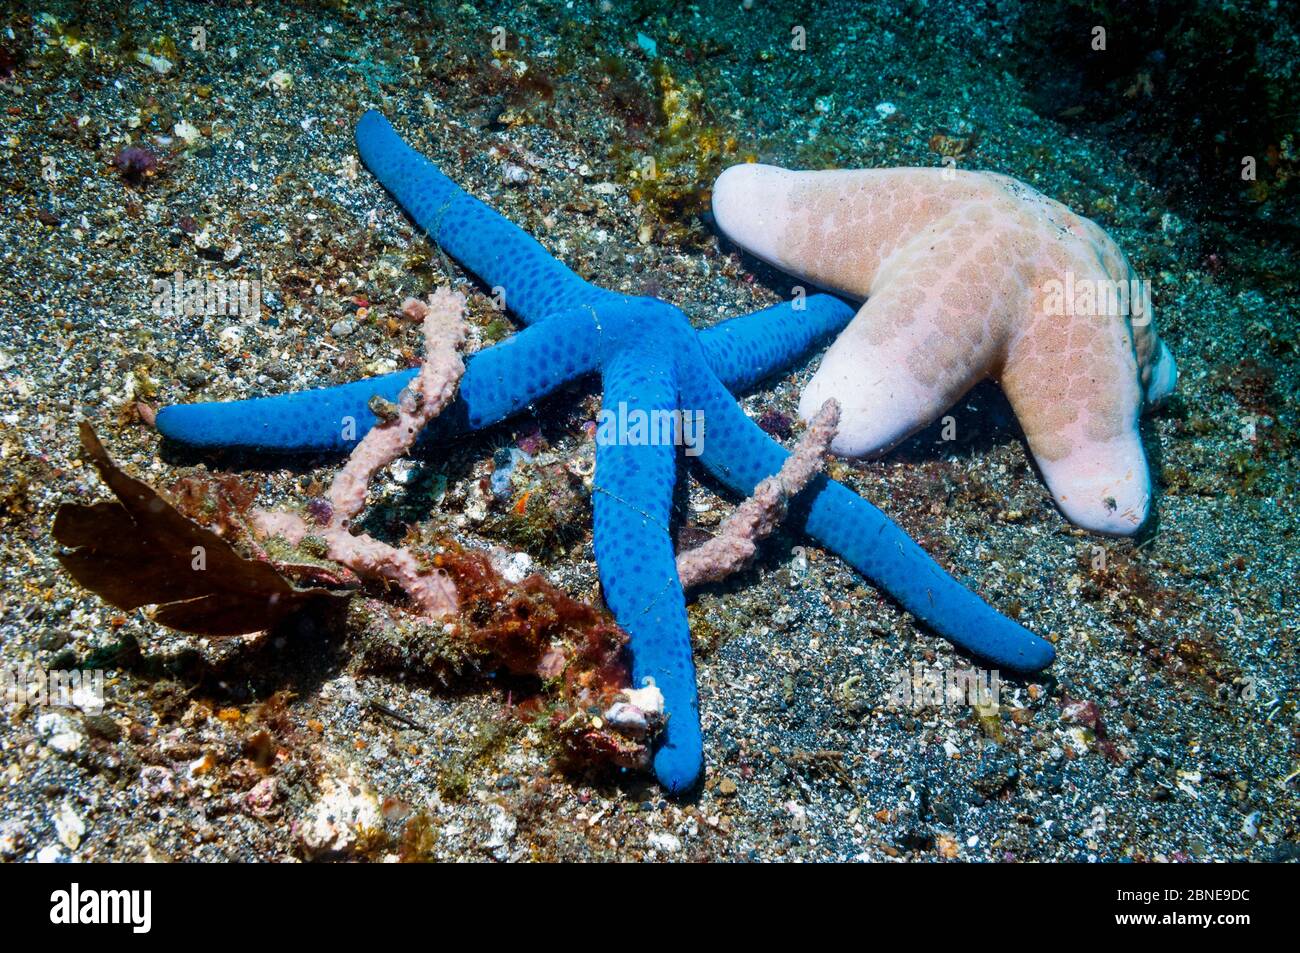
(995, 775)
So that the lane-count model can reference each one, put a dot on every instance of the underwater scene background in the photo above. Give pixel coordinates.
(188, 219)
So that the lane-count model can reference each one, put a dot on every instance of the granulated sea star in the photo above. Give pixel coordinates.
(651, 359)
(970, 275)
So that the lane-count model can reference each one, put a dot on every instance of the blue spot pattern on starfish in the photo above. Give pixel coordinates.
(649, 358)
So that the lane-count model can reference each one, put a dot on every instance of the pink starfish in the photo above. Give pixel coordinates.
(969, 275)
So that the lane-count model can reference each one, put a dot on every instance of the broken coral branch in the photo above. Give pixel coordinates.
(758, 516)
(422, 400)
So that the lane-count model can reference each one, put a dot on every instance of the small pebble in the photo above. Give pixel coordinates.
(513, 174)
(665, 843)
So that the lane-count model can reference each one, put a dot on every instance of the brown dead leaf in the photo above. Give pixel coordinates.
(138, 550)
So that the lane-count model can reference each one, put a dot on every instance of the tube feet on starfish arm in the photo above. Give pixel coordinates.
(966, 276)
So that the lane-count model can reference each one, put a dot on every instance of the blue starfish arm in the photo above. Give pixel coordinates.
(498, 381)
(503, 255)
(738, 453)
(631, 504)
(750, 348)
(873, 544)
(326, 418)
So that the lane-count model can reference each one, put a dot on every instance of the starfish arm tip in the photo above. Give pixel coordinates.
(678, 766)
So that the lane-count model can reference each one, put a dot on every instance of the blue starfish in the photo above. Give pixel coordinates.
(650, 359)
